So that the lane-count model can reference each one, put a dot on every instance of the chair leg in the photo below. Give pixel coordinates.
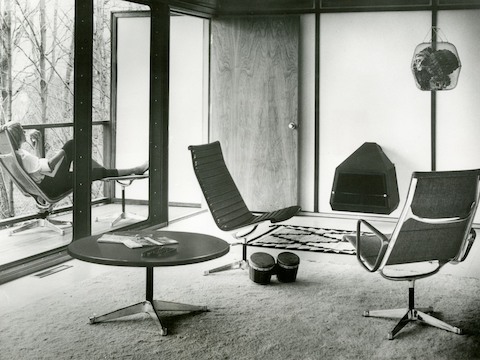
(240, 264)
(26, 226)
(52, 224)
(400, 325)
(433, 321)
(387, 313)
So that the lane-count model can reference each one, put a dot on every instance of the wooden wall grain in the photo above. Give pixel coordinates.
(254, 96)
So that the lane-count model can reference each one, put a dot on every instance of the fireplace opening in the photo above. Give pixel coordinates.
(365, 182)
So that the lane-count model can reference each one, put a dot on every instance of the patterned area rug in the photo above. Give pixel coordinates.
(305, 238)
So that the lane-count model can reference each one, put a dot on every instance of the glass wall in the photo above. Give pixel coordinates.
(188, 106)
(131, 96)
(36, 80)
(121, 108)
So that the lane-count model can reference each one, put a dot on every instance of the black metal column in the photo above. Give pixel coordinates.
(433, 98)
(316, 182)
(159, 101)
(82, 118)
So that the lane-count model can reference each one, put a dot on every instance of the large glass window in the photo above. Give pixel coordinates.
(187, 107)
(36, 80)
(37, 88)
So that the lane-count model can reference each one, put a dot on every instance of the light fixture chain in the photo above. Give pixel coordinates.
(440, 35)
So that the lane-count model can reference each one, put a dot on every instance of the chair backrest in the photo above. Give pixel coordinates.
(221, 193)
(437, 218)
(11, 164)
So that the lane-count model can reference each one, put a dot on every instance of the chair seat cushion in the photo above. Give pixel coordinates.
(370, 247)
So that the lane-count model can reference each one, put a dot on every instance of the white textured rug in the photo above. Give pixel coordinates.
(317, 317)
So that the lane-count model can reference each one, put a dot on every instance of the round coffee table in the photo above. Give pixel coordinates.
(191, 248)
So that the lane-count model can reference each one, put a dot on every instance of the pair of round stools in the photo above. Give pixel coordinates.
(262, 266)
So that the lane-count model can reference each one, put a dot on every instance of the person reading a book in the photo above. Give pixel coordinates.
(53, 175)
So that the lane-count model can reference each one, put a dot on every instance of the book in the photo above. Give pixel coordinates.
(136, 240)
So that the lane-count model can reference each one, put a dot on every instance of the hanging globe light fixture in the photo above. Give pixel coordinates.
(436, 65)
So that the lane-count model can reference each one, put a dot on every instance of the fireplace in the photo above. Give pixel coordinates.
(365, 182)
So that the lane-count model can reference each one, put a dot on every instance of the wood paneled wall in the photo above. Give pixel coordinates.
(254, 98)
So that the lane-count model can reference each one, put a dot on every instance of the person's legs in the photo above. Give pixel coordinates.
(61, 183)
(68, 149)
(136, 170)
(99, 172)
(63, 179)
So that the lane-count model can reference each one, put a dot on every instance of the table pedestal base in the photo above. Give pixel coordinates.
(152, 308)
(149, 306)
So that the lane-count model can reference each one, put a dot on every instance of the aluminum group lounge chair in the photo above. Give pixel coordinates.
(434, 229)
(225, 202)
(12, 166)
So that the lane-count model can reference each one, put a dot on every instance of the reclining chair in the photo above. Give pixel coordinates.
(13, 167)
(434, 228)
(225, 202)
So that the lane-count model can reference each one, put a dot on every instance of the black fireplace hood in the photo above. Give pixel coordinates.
(365, 182)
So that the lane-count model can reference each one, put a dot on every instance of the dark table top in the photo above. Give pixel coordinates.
(191, 248)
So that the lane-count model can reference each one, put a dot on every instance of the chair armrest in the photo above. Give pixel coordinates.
(384, 243)
(284, 214)
(470, 241)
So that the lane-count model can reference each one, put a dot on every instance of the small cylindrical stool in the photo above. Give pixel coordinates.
(287, 266)
(261, 267)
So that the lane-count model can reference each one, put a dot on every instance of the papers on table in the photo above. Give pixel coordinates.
(136, 240)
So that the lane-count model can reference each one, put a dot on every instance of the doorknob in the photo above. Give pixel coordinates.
(292, 126)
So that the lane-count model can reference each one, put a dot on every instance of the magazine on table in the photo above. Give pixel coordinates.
(134, 239)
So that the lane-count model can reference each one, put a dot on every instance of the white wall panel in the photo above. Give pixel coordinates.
(458, 110)
(368, 94)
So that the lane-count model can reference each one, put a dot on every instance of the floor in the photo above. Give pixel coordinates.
(26, 290)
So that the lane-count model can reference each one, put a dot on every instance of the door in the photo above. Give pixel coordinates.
(254, 105)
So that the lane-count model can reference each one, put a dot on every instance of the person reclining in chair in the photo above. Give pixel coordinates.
(53, 175)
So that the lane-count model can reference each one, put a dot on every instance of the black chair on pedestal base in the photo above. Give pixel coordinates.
(225, 202)
(434, 229)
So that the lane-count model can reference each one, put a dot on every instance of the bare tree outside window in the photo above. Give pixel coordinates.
(36, 77)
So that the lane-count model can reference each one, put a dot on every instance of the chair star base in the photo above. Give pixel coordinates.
(150, 307)
(47, 223)
(240, 264)
(122, 216)
(409, 315)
